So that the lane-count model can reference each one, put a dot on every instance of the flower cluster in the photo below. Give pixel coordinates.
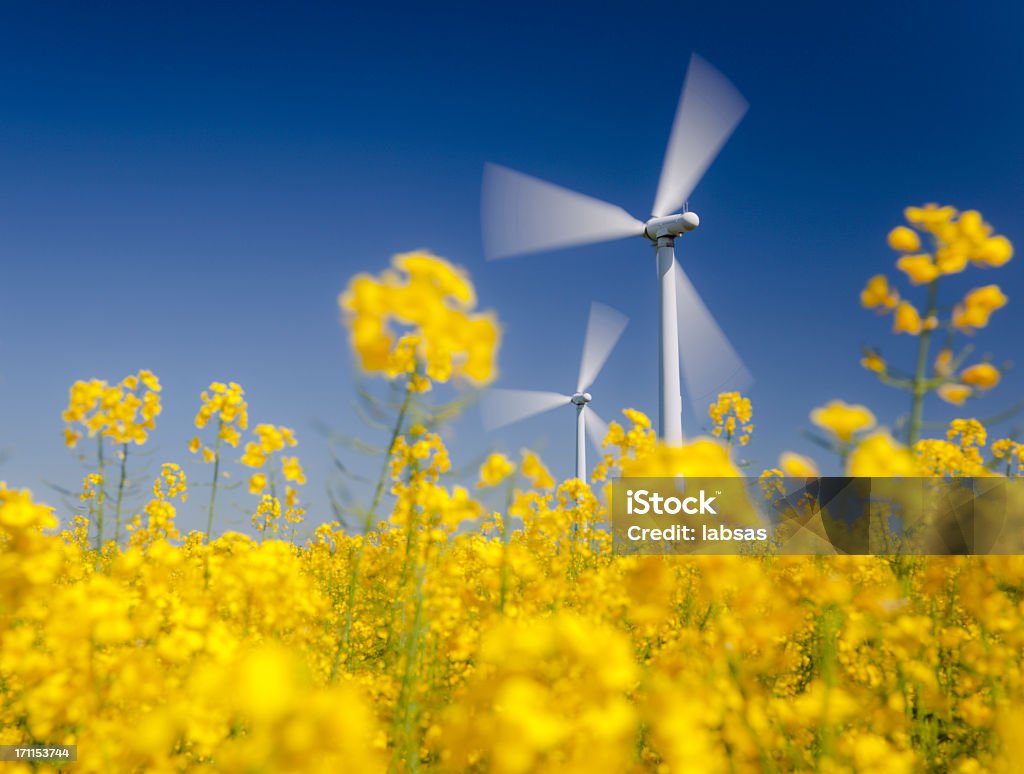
(123, 412)
(259, 454)
(956, 240)
(160, 511)
(439, 335)
(226, 403)
(731, 414)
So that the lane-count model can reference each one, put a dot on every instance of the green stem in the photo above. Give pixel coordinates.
(100, 495)
(919, 386)
(213, 501)
(353, 582)
(216, 478)
(406, 755)
(120, 493)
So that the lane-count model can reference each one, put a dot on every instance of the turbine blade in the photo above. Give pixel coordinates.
(709, 363)
(604, 327)
(521, 214)
(709, 109)
(503, 407)
(597, 428)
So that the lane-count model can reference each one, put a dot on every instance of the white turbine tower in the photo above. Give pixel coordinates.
(522, 214)
(503, 407)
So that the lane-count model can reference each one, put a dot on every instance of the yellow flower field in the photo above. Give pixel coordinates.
(443, 635)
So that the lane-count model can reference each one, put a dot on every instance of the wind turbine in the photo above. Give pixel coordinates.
(503, 407)
(522, 214)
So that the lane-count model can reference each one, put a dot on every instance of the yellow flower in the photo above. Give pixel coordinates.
(983, 376)
(879, 455)
(907, 319)
(976, 308)
(994, 252)
(877, 294)
(797, 465)
(731, 412)
(1008, 449)
(195, 445)
(496, 468)
(535, 471)
(919, 268)
(227, 403)
(123, 412)
(257, 483)
(951, 259)
(904, 239)
(955, 394)
(843, 419)
(435, 302)
(872, 361)
(943, 361)
(293, 470)
(930, 216)
(254, 456)
(971, 432)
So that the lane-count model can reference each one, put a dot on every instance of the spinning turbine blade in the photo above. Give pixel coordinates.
(604, 327)
(597, 428)
(710, 364)
(521, 214)
(503, 407)
(709, 109)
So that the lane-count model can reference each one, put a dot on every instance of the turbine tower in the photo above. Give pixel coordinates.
(521, 214)
(503, 407)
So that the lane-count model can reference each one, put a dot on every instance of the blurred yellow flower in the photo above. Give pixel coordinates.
(435, 301)
(257, 483)
(496, 468)
(797, 465)
(904, 239)
(907, 319)
(877, 294)
(292, 470)
(879, 455)
(955, 394)
(976, 308)
(994, 252)
(872, 361)
(842, 419)
(919, 268)
(535, 472)
(983, 376)
(930, 216)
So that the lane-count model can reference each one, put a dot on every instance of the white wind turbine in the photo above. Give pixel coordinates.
(522, 214)
(503, 407)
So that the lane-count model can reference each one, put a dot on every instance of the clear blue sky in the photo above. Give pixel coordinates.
(187, 187)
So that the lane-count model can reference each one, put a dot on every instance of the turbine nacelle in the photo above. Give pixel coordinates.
(580, 398)
(671, 225)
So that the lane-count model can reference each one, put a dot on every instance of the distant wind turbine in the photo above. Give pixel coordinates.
(503, 407)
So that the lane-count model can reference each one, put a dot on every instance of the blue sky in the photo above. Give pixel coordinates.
(187, 188)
